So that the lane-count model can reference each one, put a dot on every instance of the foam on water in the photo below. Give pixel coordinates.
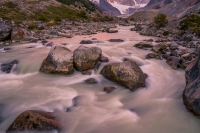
(86, 108)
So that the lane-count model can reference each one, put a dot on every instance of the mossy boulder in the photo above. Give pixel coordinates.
(127, 74)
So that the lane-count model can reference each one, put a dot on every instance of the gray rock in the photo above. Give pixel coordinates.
(160, 48)
(58, 61)
(91, 81)
(116, 40)
(153, 56)
(142, 45)
(86, 42)
(104, 59)
(86, 58)
(173, 62)
(7, 67)
(112, 31)
(127, 74)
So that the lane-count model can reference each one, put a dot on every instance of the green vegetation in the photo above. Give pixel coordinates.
(166, 33)
(32, 27)
(10, 11)
(160, 20)
(192, 22)
(132, 19)
(87, 4)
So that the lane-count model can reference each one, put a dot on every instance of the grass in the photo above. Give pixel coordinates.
(192, 22)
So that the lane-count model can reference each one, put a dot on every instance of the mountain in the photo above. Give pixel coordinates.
(123, 6)
(106, 7)
(175, 8)
(56, 10)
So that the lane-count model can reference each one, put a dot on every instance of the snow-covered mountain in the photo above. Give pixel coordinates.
(123, 6)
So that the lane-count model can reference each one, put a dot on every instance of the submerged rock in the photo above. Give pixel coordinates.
(34, 120)
(91, 81)
(86, 58)
(86, 42)
(116, 40)
(127, 74)
(7, 67)
(104, 59)
(109, 89)
(191, 94)
(58, 61)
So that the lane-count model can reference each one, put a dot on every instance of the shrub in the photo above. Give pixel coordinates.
(132, 19)
(32, 26)
(42, 17)
(192, 22)
(166, 33)
(160, 20)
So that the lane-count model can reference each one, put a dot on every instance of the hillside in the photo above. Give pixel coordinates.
(48, 10)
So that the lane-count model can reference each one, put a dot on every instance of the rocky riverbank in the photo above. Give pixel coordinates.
(36, 30)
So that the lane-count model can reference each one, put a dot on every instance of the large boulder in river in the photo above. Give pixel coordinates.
(127, 74)
(191, 94)
(58, 61)
(33, 120)
(5, 32)
(86, 58)
(142, 45)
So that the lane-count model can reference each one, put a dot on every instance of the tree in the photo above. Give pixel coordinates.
(160, 20)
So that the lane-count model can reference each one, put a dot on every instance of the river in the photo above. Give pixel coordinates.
(157, 108)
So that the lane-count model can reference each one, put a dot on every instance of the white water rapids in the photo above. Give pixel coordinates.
(157, 108)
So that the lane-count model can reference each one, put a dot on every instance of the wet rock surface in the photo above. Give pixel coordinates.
(33, 120)
(127, 74)
(58, 61)
(8, 67)
(109, 89)
(91, 81)
(86, 58)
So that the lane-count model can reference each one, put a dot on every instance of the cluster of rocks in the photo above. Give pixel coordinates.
(61, 60)
(176, 56)
(66, 28)
(179, 49)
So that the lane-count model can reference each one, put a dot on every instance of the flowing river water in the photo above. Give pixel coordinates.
(157, 108)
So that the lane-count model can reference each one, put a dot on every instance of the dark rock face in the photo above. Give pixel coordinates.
(58, 61)
(91, 81)
(116, 40)
(34, 120)
(106, 7)
(191, 94)
(142, 45)
(109, 89)
(7, 67)
(127, 74)
(86, 58)
(86, 42)
(5, 32)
